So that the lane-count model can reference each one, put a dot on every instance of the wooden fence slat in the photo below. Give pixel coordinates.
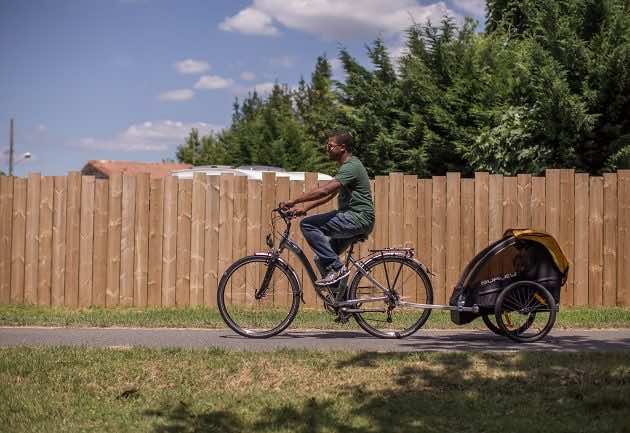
(169, 242)
(239, 236)
(482, 185)
(281, 295)
(538, 203)
(410, 230)
(211, 250)
(44, 269)
(114, 232)
(581, 239)
(31, 250)
(495, 207)
(127, 240)
(226, 214)
(101, 204)
(595, 241)
(366, 246)
(156, 236)
(524, 200)
(73, 239)
(57, 296)
(567, 230)
(6, 227)
(197, 232)
(310, 183)
(18, 239)
(453, 228)
(425, 200)
(141, 239)
(296, 189)
(610, 240)
(86, 243)
(467, 220)
(623, 239)
(438, 239)
(510, 203)
(396, 202)
(184, 211)
(381, 212)
(254, 203)
(552, 202)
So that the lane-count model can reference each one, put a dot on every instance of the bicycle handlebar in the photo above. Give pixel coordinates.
(286, 215)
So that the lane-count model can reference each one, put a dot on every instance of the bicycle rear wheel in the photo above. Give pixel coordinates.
(407, 281)
(275, 308)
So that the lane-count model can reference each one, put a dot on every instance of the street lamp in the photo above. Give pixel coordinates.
(23, 157)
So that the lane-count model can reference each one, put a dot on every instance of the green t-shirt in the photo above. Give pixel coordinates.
(355, 195)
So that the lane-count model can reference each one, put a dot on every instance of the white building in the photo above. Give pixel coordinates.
(251, 171)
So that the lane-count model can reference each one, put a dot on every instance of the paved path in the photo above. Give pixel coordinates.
(423, 340)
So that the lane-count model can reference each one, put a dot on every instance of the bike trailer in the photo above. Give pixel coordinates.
(522, 254)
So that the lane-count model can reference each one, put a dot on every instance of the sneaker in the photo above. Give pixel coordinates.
(333, 276)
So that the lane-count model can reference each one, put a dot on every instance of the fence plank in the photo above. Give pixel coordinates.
(538, 203)
(396, 220)
(44, 266)
(524, 199)
(59, 241)
(17, 241)
(31, 250)
(169, 241)
(425, 200)
(581, 239)
(510, 203)
(73, 238)
(552, 202)
(467, 223)
(239, 240)
(595, 241)
(197, 232)
(453, 229)
(567, 229)
(482, 185)
(156, 236)
(141, 239)
(623, 240)
(86, 243)
(99, 284)
(281, 297)
(438, 236)
(610, 240)
(211, 250)
(495, 207)
(410, 228)
(310, 183)
(296, 189)
(114, 232)
(226, 214)
(381, 227)
(127, 240)
(6, 227)
(254, 203)
(184, 210)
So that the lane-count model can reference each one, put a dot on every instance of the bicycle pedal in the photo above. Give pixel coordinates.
(340, 319)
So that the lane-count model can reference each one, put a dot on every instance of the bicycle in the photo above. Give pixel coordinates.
(259, 295)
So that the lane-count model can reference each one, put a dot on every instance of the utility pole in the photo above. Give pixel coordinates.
(11, 150)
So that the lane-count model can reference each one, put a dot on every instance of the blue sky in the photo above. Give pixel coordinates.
(128, 79)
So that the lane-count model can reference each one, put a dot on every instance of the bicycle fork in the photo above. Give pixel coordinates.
(264, 285)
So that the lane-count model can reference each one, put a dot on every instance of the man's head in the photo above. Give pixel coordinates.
(339, 144)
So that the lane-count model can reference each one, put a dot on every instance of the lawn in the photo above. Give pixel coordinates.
(141, 390)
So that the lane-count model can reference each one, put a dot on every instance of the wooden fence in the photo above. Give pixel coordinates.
(135, 241)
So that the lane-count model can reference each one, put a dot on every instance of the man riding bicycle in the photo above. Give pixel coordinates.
(329, 234)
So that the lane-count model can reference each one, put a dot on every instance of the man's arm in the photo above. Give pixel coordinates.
(319, 195)
(321, 201)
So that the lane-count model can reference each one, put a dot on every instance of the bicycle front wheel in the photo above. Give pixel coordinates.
(250, 311)
(387, 318)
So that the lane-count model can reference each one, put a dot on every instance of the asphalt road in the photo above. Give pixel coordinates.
(424, 340)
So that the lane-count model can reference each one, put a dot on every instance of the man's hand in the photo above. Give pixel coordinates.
(300, 211)
(286, 205)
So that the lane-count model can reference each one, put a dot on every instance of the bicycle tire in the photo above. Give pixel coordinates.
(362, 319)
(233, 322)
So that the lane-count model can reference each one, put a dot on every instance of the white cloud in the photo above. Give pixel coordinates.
(250, 21)
(341, 19)
(148, 136)
(248, 76)
(190, 66)
(177, 95)
(213, 82)
(475, 8)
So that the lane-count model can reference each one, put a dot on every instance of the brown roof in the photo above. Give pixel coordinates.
(105, 168)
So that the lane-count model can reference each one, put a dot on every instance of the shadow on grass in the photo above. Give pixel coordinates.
(463, 392)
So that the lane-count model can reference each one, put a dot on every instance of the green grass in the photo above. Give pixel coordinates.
(200, 317)
(141, 390)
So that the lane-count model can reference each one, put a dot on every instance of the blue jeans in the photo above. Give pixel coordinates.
(329, 234)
